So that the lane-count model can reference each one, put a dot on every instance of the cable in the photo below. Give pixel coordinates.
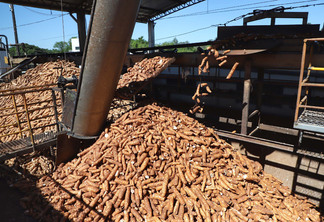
(211, 26)
(32, 23)
(196, 30)
(207, 6)
(54, 37)
(305, 6)
(240, 17)
(236, 8)
(41, 13)
(218, 10)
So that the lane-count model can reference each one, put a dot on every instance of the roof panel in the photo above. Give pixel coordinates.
(149, 9)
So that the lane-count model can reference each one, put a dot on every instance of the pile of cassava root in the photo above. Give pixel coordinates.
(157, 164)
(43, 74)
(36, 164)
(43, 114)
(137, 76)
(143, 70)
(119, 107)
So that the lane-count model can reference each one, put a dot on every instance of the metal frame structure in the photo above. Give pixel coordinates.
(175, 9)
(309, 119)
(149, 10)
(273, 15)
(21, 112)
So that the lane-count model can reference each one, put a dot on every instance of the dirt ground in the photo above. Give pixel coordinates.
(10, 209)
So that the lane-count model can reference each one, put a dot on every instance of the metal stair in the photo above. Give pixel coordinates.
(308, 117)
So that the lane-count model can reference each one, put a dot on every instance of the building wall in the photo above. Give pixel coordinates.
(75, 45)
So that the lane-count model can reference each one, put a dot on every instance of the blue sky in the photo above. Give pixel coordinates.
(44, 27)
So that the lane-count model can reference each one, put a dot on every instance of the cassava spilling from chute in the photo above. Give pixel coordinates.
(210, 54)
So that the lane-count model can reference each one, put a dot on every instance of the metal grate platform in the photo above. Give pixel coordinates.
(310, 121)
(22, 146)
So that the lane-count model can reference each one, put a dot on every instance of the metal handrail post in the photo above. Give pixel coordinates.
(55, 111)
(301, 76)
(28, 121)
(17, 116)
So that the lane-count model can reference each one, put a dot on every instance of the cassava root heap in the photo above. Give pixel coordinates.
(137, 76)
(43, 74)
(143, 70)
(157, 164)
(36, 164)
(119, 107)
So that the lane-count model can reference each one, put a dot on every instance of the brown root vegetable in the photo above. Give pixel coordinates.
(193, 175)
(230, 74)
(208, 89)
(221, 58)
(222, 63)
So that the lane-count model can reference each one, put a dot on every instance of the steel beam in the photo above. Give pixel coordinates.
(246, 98)
(151, 34)
(254, 140)
(81, 20)
(274, 15)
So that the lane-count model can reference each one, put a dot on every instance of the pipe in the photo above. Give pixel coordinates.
(111, 30)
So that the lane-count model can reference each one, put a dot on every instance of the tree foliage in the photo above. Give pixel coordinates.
(142, 43)
(176, 42)
(27, 49)
(138, 43)
(63, 46)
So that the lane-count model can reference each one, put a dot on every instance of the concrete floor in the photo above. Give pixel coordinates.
(303, 175)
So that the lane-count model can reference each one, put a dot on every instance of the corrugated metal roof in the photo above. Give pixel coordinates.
(149, 9)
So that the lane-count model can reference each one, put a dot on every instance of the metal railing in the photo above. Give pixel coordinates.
(302, 119)
(21, 116)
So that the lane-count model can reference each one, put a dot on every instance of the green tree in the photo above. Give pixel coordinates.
(27, 49)
(62, 46)
(138, 43)
(176, 42)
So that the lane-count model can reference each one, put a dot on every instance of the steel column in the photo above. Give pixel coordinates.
(17, 116)
(81, 20)
(259, 92)
(28, 121)
(151, 34)
(246, 98)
